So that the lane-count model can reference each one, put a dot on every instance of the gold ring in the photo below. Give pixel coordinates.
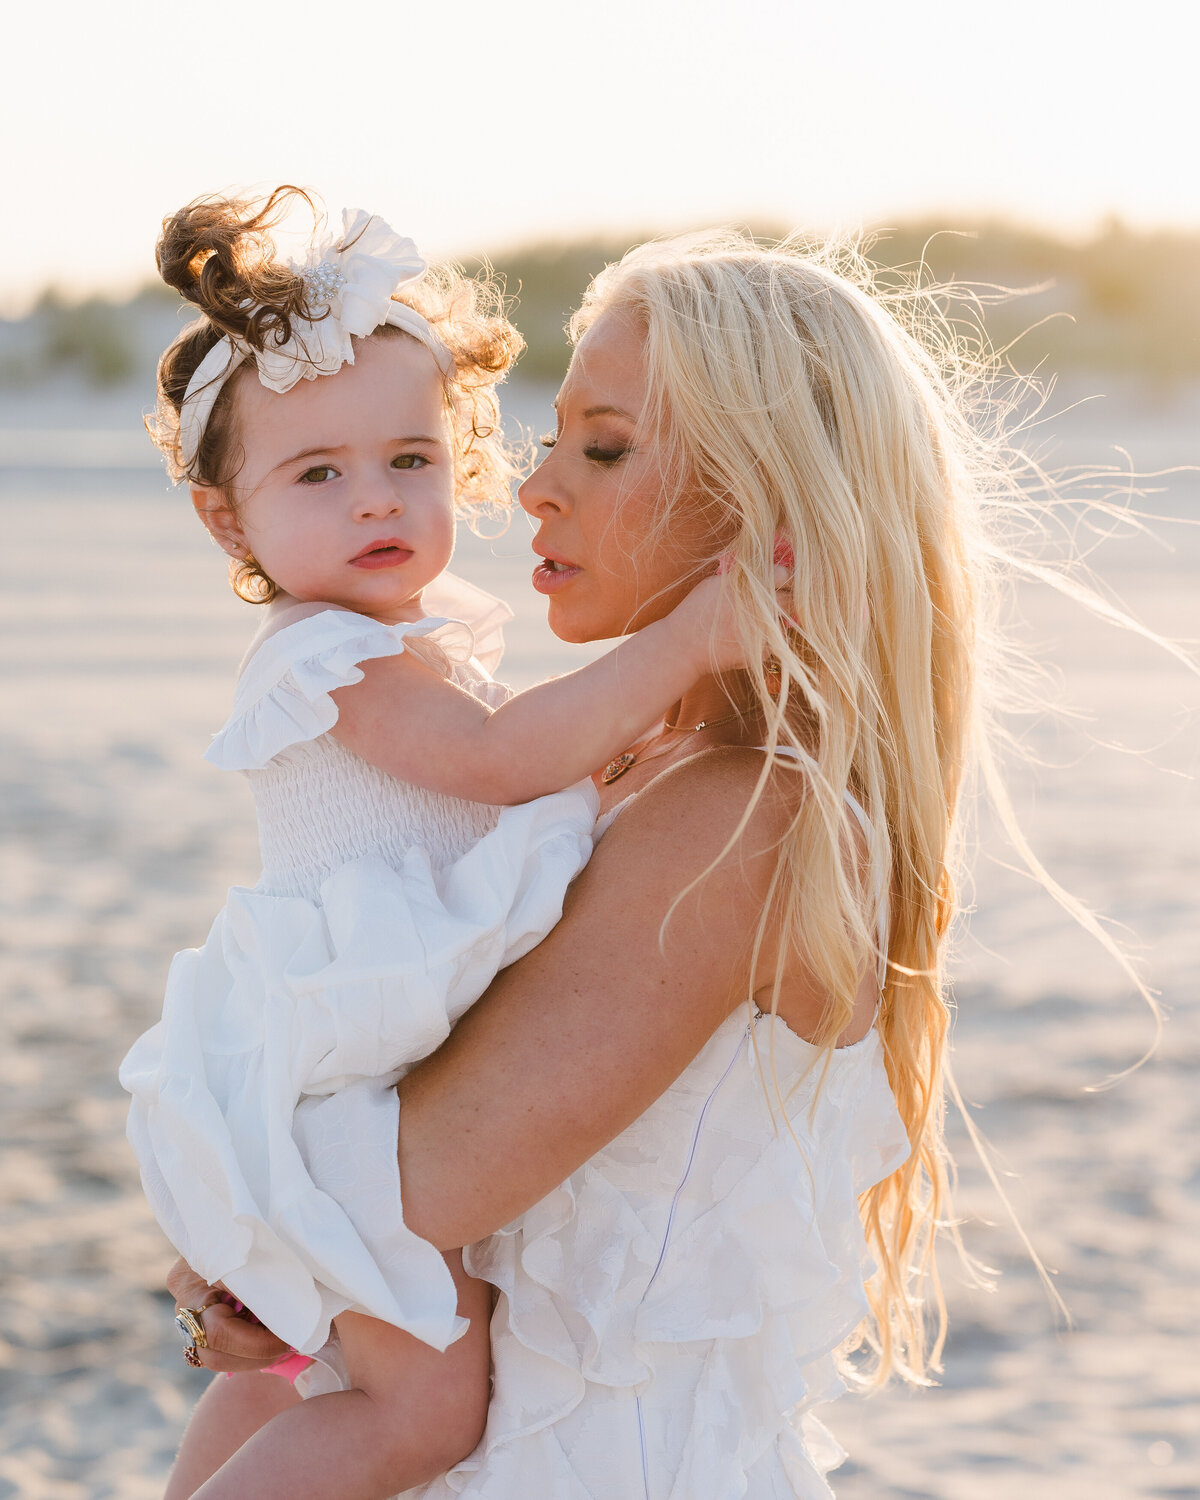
(191, 1325)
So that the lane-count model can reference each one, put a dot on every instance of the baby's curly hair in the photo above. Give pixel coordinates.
(220, 255)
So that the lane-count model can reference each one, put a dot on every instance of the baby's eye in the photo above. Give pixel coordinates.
(409, 461)
(318, 474)
(548, 439)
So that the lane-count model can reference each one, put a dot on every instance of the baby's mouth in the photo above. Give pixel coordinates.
(385, 554)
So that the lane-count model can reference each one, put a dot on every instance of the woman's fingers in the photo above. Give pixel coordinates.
(188, 1289)
(234, 1342)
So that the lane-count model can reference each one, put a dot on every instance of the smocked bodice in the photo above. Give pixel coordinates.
(319, 807)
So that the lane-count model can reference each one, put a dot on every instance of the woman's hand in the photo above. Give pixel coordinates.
(235, 1343)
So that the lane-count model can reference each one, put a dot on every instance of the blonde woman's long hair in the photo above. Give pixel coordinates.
(798, 398)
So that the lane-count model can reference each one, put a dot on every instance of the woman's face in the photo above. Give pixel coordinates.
(598, 493)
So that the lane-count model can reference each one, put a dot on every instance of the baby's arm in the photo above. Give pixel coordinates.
(414, 724)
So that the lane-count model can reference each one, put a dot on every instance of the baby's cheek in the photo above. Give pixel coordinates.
(295, 569)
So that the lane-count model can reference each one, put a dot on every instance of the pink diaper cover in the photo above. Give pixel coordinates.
(289, 1366)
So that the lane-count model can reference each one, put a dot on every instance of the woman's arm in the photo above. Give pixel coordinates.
(570, 1044)
(580, 1037)
(412, 723)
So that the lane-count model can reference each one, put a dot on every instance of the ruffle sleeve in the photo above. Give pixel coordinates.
(456, 599)
(283, 694)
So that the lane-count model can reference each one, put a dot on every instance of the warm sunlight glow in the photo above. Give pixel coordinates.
(539, 119)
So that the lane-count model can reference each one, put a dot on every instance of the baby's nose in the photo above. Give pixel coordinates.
(378, 499)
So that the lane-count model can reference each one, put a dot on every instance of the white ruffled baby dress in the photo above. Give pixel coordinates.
(382, 913)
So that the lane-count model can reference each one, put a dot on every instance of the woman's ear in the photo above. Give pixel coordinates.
(214, 510)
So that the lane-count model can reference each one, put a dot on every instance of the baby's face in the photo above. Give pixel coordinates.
(346, 495)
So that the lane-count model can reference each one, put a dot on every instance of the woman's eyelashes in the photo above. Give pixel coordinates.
(599, 453)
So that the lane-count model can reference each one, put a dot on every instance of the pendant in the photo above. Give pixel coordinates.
(617, 767)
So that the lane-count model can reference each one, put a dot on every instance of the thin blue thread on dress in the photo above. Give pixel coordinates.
(691, 1162)
(687, 1171)
(642, 1441)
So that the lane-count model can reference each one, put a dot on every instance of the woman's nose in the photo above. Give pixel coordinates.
(542, 494)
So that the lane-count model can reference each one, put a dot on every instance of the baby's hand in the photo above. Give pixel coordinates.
(709, 612)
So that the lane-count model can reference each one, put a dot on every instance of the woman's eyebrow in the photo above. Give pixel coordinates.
(607, 411)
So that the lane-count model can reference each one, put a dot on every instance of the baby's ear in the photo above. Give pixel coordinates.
(221, 520)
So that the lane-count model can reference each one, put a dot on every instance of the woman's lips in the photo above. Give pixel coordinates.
(550, 575)
(384, 555)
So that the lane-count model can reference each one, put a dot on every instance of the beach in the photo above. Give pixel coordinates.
(120, 640)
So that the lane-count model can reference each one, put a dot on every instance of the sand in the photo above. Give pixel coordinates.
(118, 842)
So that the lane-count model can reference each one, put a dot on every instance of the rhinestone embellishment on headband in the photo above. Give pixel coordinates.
(324, 281)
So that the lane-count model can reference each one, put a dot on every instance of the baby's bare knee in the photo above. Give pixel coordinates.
(427, 1410)
(421, 1439)
(458, 1434)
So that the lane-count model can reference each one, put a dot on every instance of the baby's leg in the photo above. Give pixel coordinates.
(412, 1414)
(228, 1414)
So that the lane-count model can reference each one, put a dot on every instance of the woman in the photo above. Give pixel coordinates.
(694, 1138)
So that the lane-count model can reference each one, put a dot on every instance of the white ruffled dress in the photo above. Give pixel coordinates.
(263, 1115)
(668, 1317)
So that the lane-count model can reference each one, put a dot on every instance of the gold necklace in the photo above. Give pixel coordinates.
(617, 768)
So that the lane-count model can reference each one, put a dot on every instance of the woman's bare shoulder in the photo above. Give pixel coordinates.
(578, 1038)
(707, 795)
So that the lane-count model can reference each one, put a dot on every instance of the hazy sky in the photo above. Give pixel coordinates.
(471, 126)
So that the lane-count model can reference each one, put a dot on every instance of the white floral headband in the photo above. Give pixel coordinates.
(354, 276)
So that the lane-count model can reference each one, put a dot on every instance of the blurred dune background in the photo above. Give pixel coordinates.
(1119, 301)
(1039, 163)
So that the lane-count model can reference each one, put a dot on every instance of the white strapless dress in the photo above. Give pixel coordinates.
(668, 1318)
(263, 1115)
